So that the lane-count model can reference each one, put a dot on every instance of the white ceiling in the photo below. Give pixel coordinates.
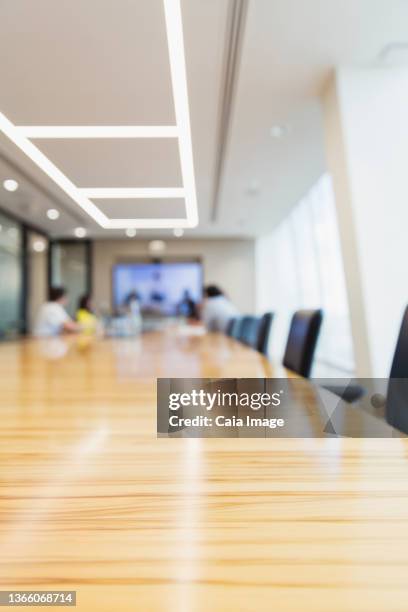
(106, 63)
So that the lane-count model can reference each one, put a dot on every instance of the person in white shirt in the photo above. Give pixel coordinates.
(217, 310)
(52, 318)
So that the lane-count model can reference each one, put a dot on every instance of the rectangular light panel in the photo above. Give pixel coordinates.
(21, 135)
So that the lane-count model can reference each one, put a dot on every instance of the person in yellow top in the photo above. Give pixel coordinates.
(85, 316)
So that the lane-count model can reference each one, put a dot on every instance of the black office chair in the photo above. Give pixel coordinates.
(235, 328)
(399, 366)
(264, 329)
(300, 347)
(230, 327)
(397, 392)
(249, 330)
(396, 411)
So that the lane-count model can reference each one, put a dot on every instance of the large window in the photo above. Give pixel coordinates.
(11, 278)
(300, 265)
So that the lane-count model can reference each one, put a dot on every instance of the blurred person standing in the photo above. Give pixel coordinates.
(217, 310)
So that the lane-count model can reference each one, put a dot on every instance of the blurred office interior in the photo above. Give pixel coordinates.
(298, 134)
(149, 149)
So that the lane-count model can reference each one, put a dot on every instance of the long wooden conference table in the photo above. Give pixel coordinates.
(92, 501)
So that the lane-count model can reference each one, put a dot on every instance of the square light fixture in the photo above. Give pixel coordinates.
(21, 136)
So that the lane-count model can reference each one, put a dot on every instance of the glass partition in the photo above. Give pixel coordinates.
(11, 278)
(70, 268)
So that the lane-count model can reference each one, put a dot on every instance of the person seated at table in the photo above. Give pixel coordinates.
(132, 303)
(85, 315)
(133, 312)
(52, 318)
(187, 306)
(217, 310)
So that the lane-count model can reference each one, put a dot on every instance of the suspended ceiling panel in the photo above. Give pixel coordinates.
(122, 162)
(95, 94)
(75, 62)
(173, 208)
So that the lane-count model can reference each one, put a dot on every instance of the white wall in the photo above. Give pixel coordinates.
(228, 263)
(38, 285)
(367, 146)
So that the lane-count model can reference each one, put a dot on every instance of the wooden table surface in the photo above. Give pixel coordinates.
(92, 501)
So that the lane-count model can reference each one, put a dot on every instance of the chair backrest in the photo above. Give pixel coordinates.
(264, 329)
(399, 367)
(249, 330)
(300, 347)
(235, 329)
(229, 330)
(397, 392)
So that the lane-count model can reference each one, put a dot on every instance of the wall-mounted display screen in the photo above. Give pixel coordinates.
(161, 288)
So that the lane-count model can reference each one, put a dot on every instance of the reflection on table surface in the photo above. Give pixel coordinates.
(93, 501)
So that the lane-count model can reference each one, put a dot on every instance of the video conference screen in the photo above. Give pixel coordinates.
(161, 288)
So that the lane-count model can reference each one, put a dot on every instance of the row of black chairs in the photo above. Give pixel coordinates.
(299, 352)
(252, 331)
(302, 339)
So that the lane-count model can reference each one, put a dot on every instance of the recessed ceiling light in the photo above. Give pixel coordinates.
(10, 185)
(39, 246)
(253, 188)
(130, 232)
(277, 131)
(157, 246)
(280, 130)
(80, 232)
(46, 165)
(53, 214)
(178, 232)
